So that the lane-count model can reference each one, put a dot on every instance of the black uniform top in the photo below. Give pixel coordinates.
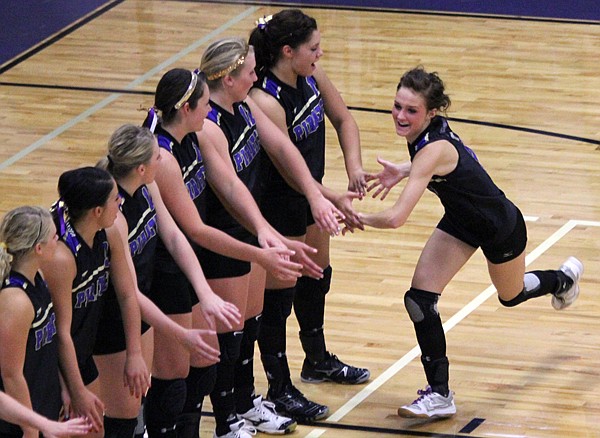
(143, 233)
(471, 200)
(90, 283)
(142, 237)
(41, 355)
(305, 120)
(191, 164)
(244, 147)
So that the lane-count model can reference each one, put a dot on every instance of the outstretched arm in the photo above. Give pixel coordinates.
(438, 158)
(59, 273)
(240, 203)
(14, 412)
(183, 210)
(192, 340)
(293, 168)
(136, 374)
(391, 175)
(178, 246)
(230, 189)
(347, 131)
(16, 316)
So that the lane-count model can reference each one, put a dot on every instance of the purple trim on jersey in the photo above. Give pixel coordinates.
(271, 87)
(165, 143)
(445, 129)
(151, 120)
(214, 116)
(64, 229)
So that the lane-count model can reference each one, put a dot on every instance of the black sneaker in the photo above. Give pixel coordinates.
(292, 403)
(333, 370)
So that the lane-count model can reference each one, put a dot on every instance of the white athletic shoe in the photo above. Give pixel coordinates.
(239, 429)
(429, 405)
(573, 269)
(265, 419)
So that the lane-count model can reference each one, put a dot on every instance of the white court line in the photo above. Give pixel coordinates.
(95, 108)
(450, 323)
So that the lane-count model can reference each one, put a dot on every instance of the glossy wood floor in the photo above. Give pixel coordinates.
(526, 372)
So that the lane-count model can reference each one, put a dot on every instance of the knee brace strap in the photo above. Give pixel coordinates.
(251, 328)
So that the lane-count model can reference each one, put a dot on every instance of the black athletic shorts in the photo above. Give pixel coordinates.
(496, 252)
(111, 336)
(219, 266)
(88, 370)
(172, 292)
(290, 215)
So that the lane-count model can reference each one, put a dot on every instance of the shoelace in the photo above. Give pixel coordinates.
(297, 394)
(247, 428)
(267, 410)
(422, 393)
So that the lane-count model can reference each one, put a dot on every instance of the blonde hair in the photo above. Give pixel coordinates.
(21, 229)
(223, 57)
(128, 147)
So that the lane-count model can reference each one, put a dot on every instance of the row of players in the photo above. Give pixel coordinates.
(211, 236)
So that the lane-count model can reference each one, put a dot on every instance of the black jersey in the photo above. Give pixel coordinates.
(90, 283)
(470, 198)
(142, 237)
(142, 226)
(305, 120)
(187, 153)
(41, 354)
(240, 131)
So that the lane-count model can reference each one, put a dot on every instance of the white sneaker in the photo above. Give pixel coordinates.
(573, 269)
(265, 419)
(429, 405)
(240, 429)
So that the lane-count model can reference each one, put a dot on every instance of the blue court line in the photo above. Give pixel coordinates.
(377, 430)
(352, 108)
(557, 11)
(95, 108)
(472, 425)
(498, 125)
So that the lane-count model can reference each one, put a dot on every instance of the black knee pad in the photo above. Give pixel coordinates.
(309, 302)
(164, 402)
(422, 309)
(119, 427)
(322, 285)
(199, 383)
(421, 305)
(310, 286)
(229, 344)
(325, 282)
(278, 306)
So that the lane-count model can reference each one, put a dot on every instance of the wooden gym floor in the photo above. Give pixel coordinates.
(525, 98)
